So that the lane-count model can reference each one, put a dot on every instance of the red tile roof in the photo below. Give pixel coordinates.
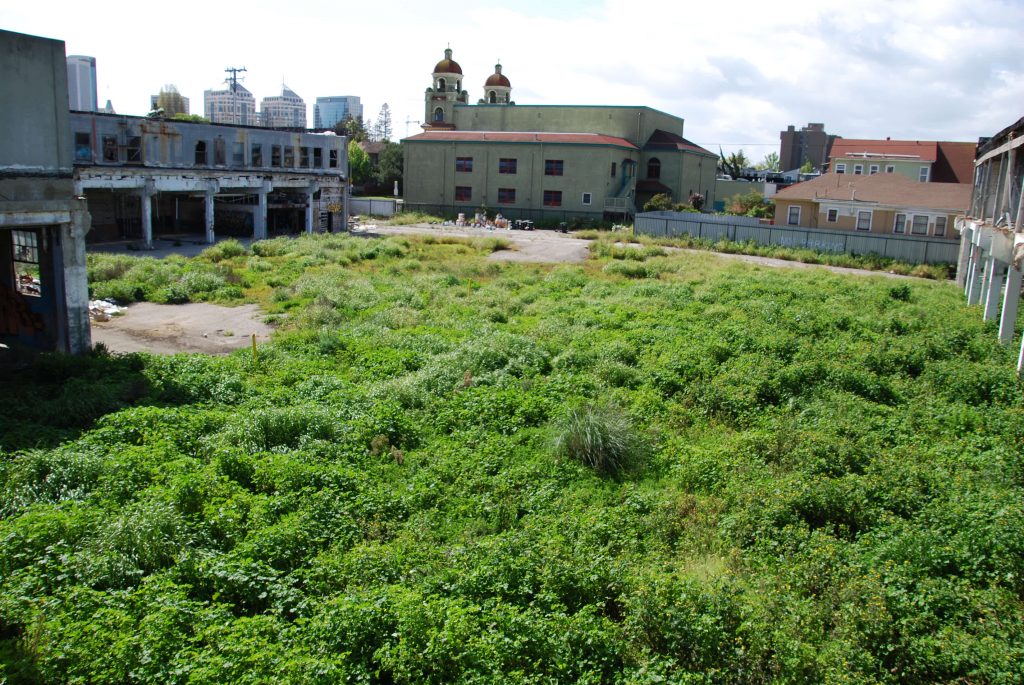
(956, 163)
(663, 140)
(884, 189)
(520, 137)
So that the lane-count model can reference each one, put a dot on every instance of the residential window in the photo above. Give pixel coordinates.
(654, 168)
(238, 153)
(553, 167)
(275, 155)
(318, 158)
(289, 157)
(464, 164)
(794, 215)
(873, 169)
(920, 225)
(83, 147)
(613, 169)
(922, 174)
(890, 168)
(134, 150)
(200, 155)
(256, 154)
(858, 169)
(506, 196)
(109, 148)
(332, 159)
(840, 168)
(864, 220)
(463, 193)
(940, 225)
(507, 165)
(26, 262)
(552, 198)
(587, 197)
(900, 224)
(832, 215)
(219, 152)
(304, 157)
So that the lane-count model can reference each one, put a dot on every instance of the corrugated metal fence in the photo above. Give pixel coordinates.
(713, 227)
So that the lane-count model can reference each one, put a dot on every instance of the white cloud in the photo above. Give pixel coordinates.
(736, 71)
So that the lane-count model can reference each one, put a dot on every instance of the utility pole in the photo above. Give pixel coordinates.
(234, 71)
(407, 122)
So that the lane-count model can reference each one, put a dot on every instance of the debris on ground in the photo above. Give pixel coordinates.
(102, 310)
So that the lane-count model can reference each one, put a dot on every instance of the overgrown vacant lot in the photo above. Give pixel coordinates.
(645, 469)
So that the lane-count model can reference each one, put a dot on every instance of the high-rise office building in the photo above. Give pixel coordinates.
(82, 83)
(233, 105)
(333, 109)
(286, 110)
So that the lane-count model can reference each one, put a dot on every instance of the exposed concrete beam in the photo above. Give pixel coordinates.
(1005, 147)
(14, 219)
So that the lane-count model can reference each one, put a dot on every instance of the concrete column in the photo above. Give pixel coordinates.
(975, 283)
(993, 288)
(1011, 298)
(971, 264)
(259, 226)
(1020, 359)
(964, 256)
(146, 201)
(76, 287)
(309, 206)
(208, 217)
(345, 206)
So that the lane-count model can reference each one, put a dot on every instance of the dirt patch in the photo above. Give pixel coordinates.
(173, 328)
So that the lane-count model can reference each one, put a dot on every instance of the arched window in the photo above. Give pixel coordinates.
(219, 152)
(441, 85)
(438, 114)
(491, 97)
(653, 168)
(201, 152)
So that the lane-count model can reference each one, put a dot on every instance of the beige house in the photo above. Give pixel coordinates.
(545, 162)
(882, 203)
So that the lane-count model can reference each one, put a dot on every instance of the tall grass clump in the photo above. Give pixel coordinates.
(600, 436)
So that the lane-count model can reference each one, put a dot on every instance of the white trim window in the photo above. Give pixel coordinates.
(840, 168)
(899, 224)
(587, 198)
(858, 169)
(919, 226)
(890, 168)
(794, 215)
(831, 215)
(873, 169)
(922, 174)
(940, 226)
(864, 220)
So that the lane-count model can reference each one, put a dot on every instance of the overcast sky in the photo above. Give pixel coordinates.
(737, 72)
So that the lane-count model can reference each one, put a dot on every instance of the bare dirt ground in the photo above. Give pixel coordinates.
(172, 328)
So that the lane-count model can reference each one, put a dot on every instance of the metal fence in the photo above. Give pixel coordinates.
(713, 227)
(373, 207)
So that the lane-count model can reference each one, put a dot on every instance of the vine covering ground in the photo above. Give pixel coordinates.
(649, 468)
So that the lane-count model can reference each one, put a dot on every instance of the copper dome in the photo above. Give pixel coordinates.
(497, 78)
(447, 65)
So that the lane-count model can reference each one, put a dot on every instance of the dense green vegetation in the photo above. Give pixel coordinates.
(651, 468)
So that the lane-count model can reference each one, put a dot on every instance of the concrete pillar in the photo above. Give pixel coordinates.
(309, 206)
(208, 217)
(1011, 298)
(964, 256)
(344, 204)
(993, 288)
(971, 263)
(76, 287)
(146, 202)
(975, 282)
(259, 225)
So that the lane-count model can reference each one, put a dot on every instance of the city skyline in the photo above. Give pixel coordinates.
(738, 73)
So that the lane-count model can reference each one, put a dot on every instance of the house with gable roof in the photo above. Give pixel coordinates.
(918, 160)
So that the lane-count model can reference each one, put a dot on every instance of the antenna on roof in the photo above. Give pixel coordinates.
(234, 71)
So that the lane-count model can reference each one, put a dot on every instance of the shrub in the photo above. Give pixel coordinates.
(600, 436)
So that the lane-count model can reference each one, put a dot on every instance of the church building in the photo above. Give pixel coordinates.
(545, 162)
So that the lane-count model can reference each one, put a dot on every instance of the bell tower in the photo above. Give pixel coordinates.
(497, 89)
(445, 92)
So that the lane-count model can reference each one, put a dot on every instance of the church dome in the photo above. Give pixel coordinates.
(447, 65)
(497, 78)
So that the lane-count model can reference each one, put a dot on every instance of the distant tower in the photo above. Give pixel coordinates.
(82, 83)
(445, 93)
(286, 110)
(497, 89)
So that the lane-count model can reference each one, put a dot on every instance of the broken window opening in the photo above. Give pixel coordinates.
(25, 255)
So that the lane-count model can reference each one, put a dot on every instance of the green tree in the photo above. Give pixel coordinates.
(733, 164)
(190, 117)
(769, 163)
(389, 167)
(352, 127)
(750, 204)
(358, 164)
(806, 167)
(659, 203)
